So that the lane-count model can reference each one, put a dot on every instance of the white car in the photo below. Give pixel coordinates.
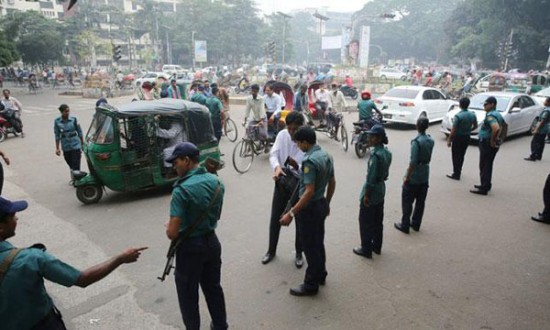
(151, 77)
(519, 110)
(541, 95)
(392, 73)
(406, 103)
(172, 69)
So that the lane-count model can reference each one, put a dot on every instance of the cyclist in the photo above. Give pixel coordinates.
(255, 104)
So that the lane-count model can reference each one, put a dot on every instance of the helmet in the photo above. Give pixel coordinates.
(365, 95)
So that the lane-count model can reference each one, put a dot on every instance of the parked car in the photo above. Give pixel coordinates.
(519, 110)
(151, 77)
(541, 95)
(391, 73)
(406, 103)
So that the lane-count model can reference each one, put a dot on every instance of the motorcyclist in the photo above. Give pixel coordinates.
(10, 103)
(365, 107)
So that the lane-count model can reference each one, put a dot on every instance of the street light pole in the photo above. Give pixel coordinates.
(193, 48)
(285, 17)
(321, 19)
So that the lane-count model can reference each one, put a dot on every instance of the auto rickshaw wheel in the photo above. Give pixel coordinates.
(89, 194)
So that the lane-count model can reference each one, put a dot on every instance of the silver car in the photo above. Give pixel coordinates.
(519, 110)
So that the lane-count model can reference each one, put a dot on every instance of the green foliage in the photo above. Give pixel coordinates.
(8, 53)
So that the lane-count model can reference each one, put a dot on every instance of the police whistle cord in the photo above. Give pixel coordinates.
(183, 236)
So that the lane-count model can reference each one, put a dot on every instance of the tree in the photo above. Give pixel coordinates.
(8, 53)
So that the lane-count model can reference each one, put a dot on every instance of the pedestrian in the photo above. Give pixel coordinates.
(24, 302)
(174, 91)
(199, 97)
(69, 134)
(312, 209)
(539, 133)
(491, 134)
(284, 151)
(215, 106)
(545, 215)
(416, 180)
(464, 123)
(195, 209)
(371, 200)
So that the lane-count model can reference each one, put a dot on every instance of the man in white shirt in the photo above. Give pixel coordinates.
(322, 103)
(274, 104)
(255, 104)
(338, 102)
(284, 151)
(11, 103)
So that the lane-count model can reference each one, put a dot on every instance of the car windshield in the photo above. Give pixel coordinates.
(101, 129)
(477, 101)
(402, 93)
(544, 93)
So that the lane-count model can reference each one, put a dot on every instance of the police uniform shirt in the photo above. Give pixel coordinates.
(463, 122)
(317, 169)
(545, 119)
(190, 198)
(365, 109)
(491, 117)
(68, 132)
(23, 298)
(377, 172)
(421, 154)
(199, 98)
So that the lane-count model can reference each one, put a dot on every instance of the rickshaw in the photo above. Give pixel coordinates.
(251, 145)
(313, 118)
(126, 146)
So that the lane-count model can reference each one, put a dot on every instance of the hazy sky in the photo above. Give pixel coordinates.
(269, 6)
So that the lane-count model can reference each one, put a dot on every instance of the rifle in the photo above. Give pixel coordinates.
(170, 258)
(184, 235)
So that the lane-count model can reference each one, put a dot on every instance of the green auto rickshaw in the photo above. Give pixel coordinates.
(126, 146)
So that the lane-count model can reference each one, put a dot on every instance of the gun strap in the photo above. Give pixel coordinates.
(183, 236)
(7, 263)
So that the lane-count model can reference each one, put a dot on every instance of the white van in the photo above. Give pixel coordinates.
(171, 69)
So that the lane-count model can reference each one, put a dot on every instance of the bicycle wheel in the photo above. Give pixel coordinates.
(243, 155)
(230, 130)
(344, 137)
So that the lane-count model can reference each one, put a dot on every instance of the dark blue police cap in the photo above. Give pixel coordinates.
(377, 130)
(183, 149)
(9, 207)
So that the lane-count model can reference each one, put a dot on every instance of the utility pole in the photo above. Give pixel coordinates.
(193, 48)
(321, 19)
(285, 17)
(508, 50)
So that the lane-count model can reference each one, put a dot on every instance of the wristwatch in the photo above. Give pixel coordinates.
(291, 213)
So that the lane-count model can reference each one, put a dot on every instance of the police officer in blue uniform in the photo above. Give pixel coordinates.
(371, 209)
(197, 197)
(312, 209)
(463, 124)
(539, 133)
(415, 182)
(69, 134)
(24, 302)
(491, 135)
(544, 217)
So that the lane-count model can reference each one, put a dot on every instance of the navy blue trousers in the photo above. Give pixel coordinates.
(413, 194)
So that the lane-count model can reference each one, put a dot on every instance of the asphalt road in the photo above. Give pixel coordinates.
(479, 262)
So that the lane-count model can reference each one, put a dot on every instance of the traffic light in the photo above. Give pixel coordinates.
(117, 52)
(388, 15)
(272, 50)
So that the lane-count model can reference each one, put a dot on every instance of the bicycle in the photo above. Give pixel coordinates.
(251, 145)
(229, 127)
(331, 130)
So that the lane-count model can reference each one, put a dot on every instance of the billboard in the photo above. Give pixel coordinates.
(200, 51)
(364, 47)
(331, 42)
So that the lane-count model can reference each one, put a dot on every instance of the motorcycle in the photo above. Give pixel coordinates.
(349, 91)
(360, 136)
(10, 123)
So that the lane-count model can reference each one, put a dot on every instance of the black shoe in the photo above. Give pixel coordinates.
(323, 281)
(540, 218)
(477, 186)
(454, 177)
(479, 192)
(268, 257)
(399, 226)
(301, 291)
(531, 159)
(360, 252)
(299, 261)
(377, 251)
(415, 228)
